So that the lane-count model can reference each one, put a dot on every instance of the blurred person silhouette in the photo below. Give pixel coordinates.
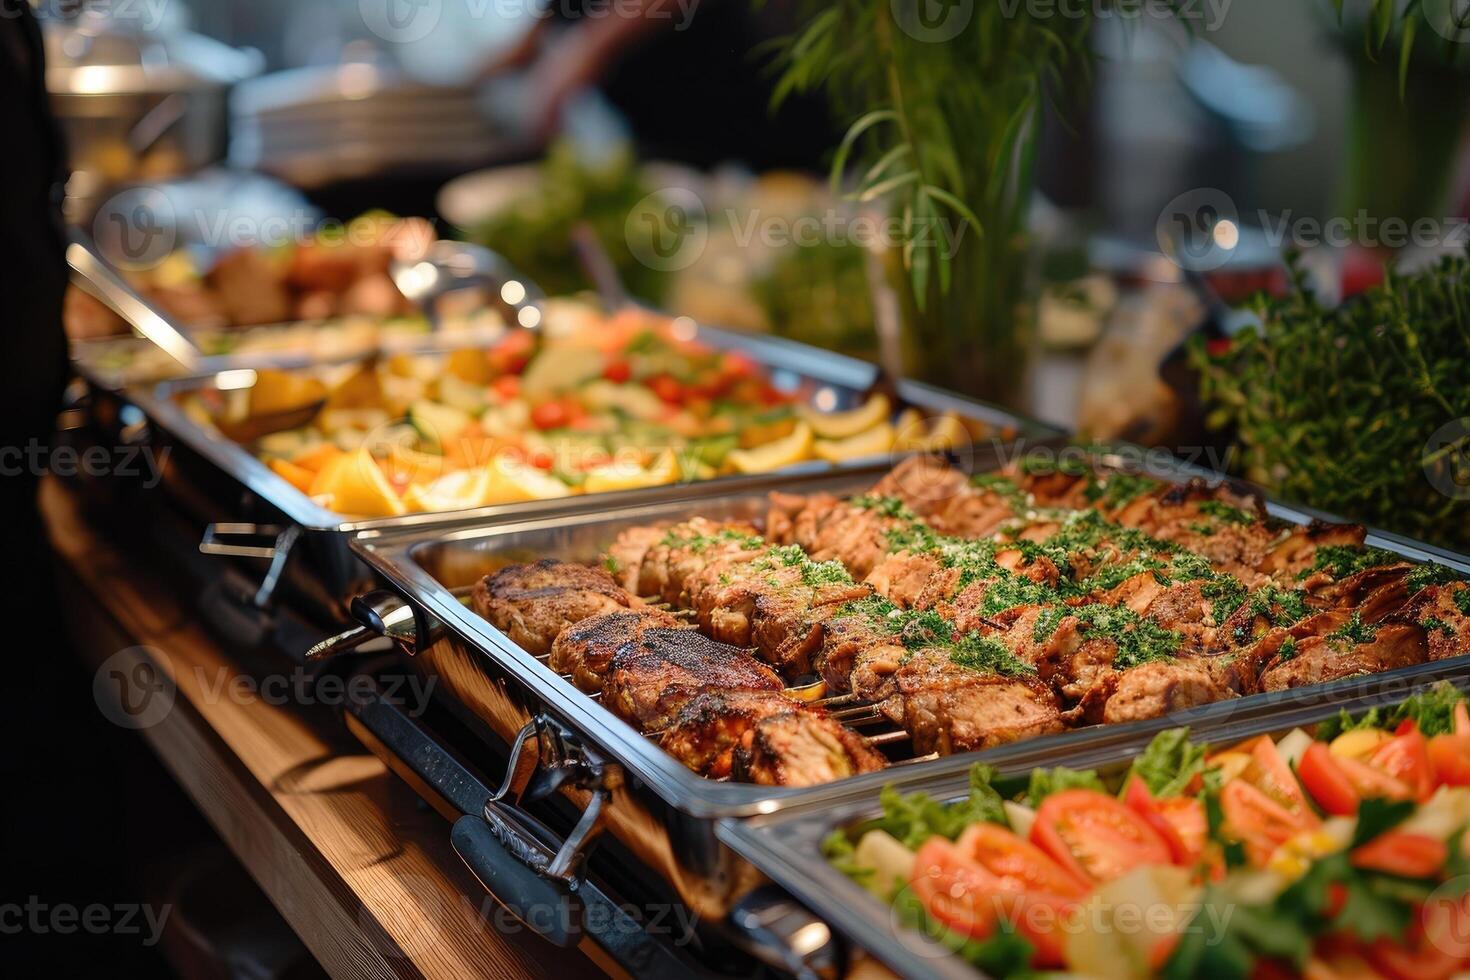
(68, 774)
(686, 74)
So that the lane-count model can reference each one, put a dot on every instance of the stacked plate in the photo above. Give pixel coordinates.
(310, 126)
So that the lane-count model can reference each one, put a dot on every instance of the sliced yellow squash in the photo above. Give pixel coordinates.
(945, 432)
(622, 476)
(843, 425)
(773, 455)
(452, 491)
(513, 482)
(874, 442)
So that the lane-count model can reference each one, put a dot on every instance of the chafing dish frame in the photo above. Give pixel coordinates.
(691, 807)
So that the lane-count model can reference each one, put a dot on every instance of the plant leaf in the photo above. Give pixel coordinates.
(854, 132)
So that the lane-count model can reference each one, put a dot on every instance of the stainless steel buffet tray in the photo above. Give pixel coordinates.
(663, 811)
(786, 845)
(252, 513)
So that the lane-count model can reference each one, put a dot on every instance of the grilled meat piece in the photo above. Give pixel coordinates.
(1297, 550)
(649, 681)
(789, 623)
(1154, 689)
(686, 549)
(944, 498)
(626, 554)
(903, 577)
(857, 654)
(833, 531)
(1318, 659)
(708, 728)
(802, 747)
(948, 708)
(1442, 611)
(585, 649)
(533, 603)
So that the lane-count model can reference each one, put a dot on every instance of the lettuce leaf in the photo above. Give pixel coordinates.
(1169, 764)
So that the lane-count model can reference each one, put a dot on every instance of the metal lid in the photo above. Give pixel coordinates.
(98, 54)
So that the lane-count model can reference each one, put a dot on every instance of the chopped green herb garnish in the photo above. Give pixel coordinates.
(988, 656)
(1354, 631)
(1223, 511)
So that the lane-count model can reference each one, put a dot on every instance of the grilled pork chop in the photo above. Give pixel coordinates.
(650, 680)
(585, 649)
(531, 604)
(802, 747)
(710, 725)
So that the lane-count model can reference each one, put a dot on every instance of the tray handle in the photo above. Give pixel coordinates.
(379, 614)
(220, 540)
(516, 857)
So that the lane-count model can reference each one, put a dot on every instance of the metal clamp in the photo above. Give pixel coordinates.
(380, 614)
(514, 855)
(282, 540)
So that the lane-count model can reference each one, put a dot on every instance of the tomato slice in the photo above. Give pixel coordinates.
(1257, 820)
(968, 898)
(1094, 836)
(1015, 859)
(1401, 853)
(1449, 757)
(1371, 782)
(1269, 773)
(1405, 757)
(1326, 782)
(953, 890)
(1179, 820)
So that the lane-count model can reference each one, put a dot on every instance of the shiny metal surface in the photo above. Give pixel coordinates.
(456, 267)
(104, 284)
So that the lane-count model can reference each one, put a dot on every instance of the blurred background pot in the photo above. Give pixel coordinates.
(138, 97)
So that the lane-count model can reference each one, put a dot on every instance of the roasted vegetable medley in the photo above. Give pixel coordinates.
(588, 404)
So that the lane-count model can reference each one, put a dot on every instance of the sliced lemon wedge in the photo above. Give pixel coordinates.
(514, 482)
(355, 485)
(874, 442)
(842, 425)
(622, 476)
(785, 451)
(452, 491)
